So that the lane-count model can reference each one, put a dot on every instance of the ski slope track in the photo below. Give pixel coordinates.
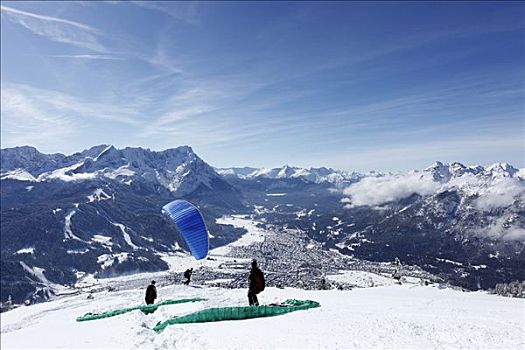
(394, 317)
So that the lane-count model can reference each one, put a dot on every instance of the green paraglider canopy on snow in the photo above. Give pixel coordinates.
(147, 309)
(239, 313)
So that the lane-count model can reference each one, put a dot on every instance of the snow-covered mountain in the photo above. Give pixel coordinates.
(179, 170)
(440, 172)
(98, 212)
(241, 173)
(445, 172)
(466, 223)
(501, 182)
(314, 175)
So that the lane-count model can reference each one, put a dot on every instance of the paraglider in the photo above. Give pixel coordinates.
(189, 221)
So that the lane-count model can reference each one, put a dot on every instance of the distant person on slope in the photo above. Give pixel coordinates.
(397, 262)
(323, 283)
(256, 284)
(187, 275)
(151, 293)
(397, 271)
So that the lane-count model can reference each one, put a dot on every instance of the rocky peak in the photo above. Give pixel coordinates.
(440, 172)
(499, 170)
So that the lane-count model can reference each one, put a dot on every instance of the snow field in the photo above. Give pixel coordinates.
(254, 234)
(395, 317)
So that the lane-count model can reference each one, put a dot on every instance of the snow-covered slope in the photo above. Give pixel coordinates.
(97, 211)
(18, 174)
(394, 317)
(375, 313)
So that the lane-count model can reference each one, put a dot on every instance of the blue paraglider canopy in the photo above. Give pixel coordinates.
(191, 226)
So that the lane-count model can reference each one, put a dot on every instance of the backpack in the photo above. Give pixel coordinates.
(258, 279)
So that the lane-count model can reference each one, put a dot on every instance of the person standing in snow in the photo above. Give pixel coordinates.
(397, 271)
(151, 293)
(187, 275)
(256, 284)
(397, 262)
(8, 304)
(323, 283)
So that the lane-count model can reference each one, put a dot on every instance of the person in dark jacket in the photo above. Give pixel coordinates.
(256, 284)
(187, 275)
(151, 293)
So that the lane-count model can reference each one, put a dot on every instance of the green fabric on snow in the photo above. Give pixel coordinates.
(147, 309)
(238, 313)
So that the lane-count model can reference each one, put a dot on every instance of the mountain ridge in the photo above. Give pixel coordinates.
(312, 174)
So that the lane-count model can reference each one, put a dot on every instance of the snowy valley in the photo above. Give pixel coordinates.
(97, 213)
(84, 233)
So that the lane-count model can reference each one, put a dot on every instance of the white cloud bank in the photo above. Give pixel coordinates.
(503, 228)
(373, 191)
(501, 194)
(493, 192)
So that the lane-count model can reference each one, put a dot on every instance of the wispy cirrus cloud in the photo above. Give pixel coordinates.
(216, 112)
(219, 113)
(24, 121)
(185, 11)
(17, 97)
(91, 57)
(23, 14)
(57, 29)
(371, 91)
(88, 37)
(44, 117)
(161, 60)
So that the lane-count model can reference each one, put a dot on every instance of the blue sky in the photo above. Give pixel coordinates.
(355, 86)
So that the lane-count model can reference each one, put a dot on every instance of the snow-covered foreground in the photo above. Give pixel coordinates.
(408, 316)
